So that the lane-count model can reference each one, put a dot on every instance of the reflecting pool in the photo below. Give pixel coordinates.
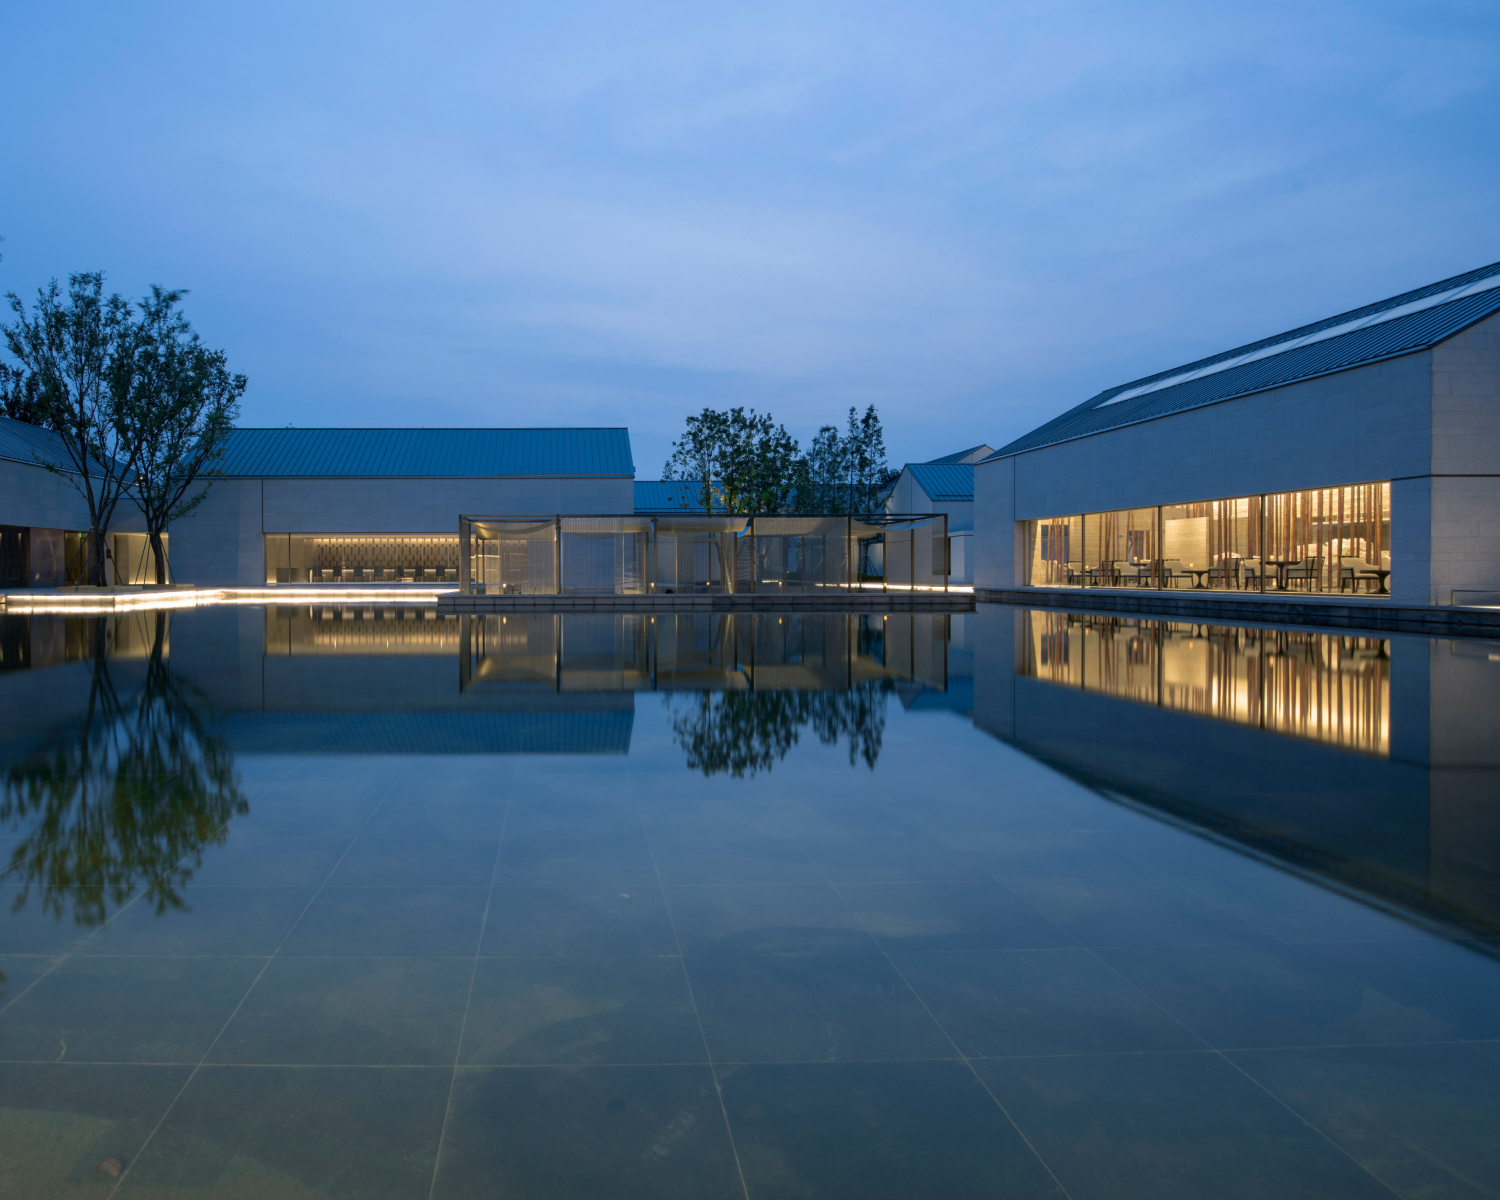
(374, 902)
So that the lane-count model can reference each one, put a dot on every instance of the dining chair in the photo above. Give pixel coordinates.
(1308, 572)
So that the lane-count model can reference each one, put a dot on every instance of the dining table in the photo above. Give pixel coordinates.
(1281, 565)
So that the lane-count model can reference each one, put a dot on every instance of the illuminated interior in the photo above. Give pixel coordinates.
(1334, 539)
(361, 558)
(688, 554)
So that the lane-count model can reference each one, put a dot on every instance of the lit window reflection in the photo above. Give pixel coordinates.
(1322, 686)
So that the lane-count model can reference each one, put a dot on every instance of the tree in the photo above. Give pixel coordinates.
(181, 413)
(759, 463)
(864, 459)
(743, 462)
(826, 467)
(21, 395)
(698, 458)
(80, 360)
(738, 462)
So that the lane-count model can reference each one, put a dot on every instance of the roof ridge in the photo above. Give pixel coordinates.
(1288, 358)
(1372, 309)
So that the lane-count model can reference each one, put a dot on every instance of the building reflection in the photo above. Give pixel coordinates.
(1368, 762)
(703, 651)
(1323, 686)
(752, 685)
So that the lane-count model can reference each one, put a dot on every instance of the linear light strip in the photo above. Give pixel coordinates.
(201, 596)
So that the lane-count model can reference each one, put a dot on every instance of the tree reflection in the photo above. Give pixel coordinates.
(741, 733)
(125, 801)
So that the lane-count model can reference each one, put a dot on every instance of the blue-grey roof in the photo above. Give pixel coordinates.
(1311, 350)
(21, 442)
(668, 496)
(951, 482)
(272, 453)
(952, 460)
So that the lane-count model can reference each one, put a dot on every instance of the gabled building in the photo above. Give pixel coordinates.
(964, 458)
(1358, 455)
(944, 485)
(383, 505)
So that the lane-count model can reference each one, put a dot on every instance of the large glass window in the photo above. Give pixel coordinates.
(1334, 539)
(361, 558)
(515, 557)
(15, 556)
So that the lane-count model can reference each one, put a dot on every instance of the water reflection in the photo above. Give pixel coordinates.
(418, 941)
(1328, 687)
(742, 733)
(130, 792)
(578, 652)
(1369, 763)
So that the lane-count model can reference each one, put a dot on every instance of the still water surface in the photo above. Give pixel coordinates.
(329, 902)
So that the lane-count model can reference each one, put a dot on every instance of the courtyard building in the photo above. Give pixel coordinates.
(944, 485)
(1355, 456)
(359, 506)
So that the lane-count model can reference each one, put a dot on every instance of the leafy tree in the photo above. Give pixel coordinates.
(827, 458)
(759, 467)
(737, 462)
(743, 462)
(21, 395)
(79, 358)
(864, 459)
(698, 458)
(181, 413)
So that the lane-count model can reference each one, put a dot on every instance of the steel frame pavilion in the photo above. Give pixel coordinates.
(744, 554)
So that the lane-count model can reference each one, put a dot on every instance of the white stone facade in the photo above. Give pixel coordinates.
(48, 506)
(223, 543)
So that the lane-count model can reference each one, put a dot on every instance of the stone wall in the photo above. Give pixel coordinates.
(222, 544)
(1464, 496)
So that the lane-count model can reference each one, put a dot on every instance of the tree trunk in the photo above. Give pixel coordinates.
(160, 554)
(98, 574)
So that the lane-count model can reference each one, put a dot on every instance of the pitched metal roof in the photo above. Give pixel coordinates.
(271, 453)
(667, 496)
(21, 442)
(1404, 324)
(945, 482)
(950, 460)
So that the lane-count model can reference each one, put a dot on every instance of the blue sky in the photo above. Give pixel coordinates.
(971, 216)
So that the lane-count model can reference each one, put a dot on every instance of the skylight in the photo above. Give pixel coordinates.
(1322, 335)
